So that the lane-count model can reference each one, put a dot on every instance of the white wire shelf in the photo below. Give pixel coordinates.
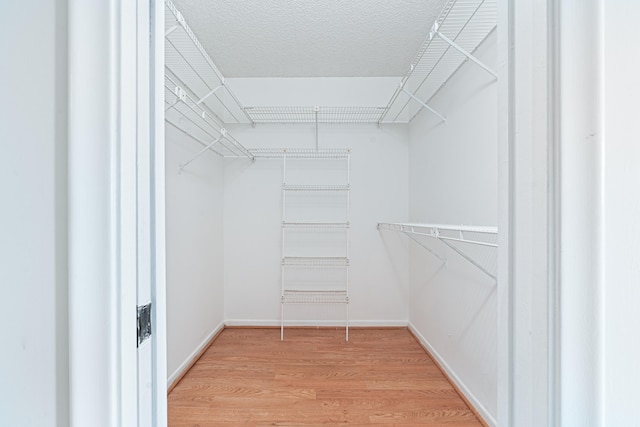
(461, 27)
(316, 224)
(314, 188)
(185, 114)
(301, 153)
(315, 261)
(436, 230)
(451, 236)
(292, 296)
(334, 115)
(189, 62)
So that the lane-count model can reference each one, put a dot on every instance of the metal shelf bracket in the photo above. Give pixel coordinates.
(201, 152)
(424, 104)
(214, 90)
(435, 32)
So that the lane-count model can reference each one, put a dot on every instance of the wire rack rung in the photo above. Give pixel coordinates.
(315, 297)
(316, 261)
(313, 188)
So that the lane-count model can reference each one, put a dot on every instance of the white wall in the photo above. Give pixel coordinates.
(621, 243)
(253, 202)
(312, 91)
(34, 361)
(453, 180)
(581, 213)
(378, 291)
(195, 252)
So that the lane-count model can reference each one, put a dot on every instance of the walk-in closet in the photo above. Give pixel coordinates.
(306, 201)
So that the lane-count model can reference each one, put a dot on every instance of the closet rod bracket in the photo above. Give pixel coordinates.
(435, 32)
(223, 133)
(214, 90)
(424, 104)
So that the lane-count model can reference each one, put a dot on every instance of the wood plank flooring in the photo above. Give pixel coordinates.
(248, 377)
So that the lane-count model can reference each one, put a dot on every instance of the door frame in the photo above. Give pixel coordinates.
(158, 289)
(102, 168)
(529, 214)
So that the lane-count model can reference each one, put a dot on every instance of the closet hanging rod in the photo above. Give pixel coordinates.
(204, 144)
(435, 231)
(195, 114)
(229, 143)
(202, 106)
(232, 148)
(210, 145)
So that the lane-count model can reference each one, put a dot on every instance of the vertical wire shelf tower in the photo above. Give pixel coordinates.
(322, 259)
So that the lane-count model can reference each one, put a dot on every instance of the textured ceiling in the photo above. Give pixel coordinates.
(311, 38)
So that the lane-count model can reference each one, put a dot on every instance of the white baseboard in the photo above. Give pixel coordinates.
(320, 323)
(477, 405)
(187, 363)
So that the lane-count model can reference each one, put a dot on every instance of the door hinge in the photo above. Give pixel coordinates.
(144, 323)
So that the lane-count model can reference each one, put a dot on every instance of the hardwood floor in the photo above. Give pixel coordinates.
(248, 377)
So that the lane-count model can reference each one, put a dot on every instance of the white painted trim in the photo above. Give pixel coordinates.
(102, 345)
(319, 323)
(505, 212)
(194, 354)
(477, 405)
(124, 196)
(158, 291)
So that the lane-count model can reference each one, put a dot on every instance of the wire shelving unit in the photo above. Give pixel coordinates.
(197, 100)
(189, 62)
(458, 31)
(300, 153)
(185, 114)
(322, 115)
(321, 279)
(459, 238)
